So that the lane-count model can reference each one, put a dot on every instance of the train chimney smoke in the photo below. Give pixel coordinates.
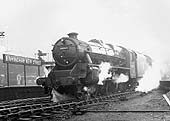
(73, 35)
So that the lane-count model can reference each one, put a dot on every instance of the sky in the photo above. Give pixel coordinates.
(141, 25)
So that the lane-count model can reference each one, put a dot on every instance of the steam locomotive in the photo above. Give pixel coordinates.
(78, 67)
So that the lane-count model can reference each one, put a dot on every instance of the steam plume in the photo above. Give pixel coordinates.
(150, 79)
(104, 67)
(122, 78)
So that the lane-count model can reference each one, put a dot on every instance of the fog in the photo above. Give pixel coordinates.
(142, 25)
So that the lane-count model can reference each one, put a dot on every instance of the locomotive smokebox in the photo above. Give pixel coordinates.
(73, 35)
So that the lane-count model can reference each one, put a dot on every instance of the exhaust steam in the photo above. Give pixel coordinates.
(104, 72)
(122, 78)
(150, 79)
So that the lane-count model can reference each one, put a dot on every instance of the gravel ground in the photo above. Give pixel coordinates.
(150, 101)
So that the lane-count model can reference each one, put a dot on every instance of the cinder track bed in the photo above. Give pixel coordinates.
(53, 111)
(20, 102)
(146, 107)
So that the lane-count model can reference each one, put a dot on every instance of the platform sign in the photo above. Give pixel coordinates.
(25, 61)
(12, 59)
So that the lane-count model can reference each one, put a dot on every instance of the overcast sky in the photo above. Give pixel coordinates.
(142, 25)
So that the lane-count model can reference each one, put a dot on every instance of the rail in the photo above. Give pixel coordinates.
(45, 110)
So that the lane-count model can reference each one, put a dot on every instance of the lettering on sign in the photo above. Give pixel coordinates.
(20, 60)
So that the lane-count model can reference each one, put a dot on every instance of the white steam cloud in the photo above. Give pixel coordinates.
(104, 68)
(122, 78)
(150, 79)
(104, 74)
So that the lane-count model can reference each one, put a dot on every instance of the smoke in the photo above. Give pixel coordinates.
(57, 97)
(165, 71)
(122, 78)
(104, 72)
(47, 69)
(150, 78)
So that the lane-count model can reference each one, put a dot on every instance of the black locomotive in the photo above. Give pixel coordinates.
(77, 67)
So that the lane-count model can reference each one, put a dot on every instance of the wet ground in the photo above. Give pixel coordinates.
(151, 101)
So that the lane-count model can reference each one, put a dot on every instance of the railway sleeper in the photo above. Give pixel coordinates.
(36, 111)
(25, 119)
(3, 117)
(5, 111)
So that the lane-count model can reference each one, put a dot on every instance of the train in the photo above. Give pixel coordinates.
(78, 64)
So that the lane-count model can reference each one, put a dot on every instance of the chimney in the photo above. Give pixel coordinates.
(73, 35)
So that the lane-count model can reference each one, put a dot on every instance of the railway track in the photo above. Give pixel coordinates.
(36, 109)
(20, 102)
(124, 111)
